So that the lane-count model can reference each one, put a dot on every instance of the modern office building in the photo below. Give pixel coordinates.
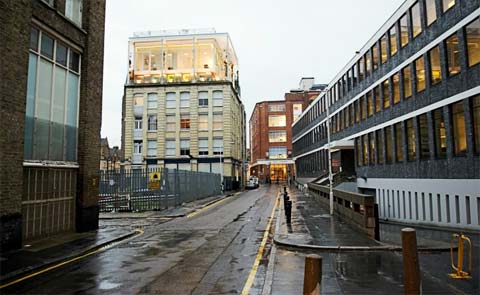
(182, 107)
(407, 109)
(51, 74)
(271, 133)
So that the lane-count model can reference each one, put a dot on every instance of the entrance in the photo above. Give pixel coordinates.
(278, 172)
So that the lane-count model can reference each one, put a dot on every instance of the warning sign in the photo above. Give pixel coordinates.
(154, 180)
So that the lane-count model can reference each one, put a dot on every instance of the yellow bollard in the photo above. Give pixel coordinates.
(459, 272)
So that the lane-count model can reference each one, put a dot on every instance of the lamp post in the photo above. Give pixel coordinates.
(330, 175)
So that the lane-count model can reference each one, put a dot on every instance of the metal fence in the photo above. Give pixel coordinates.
(154, 189)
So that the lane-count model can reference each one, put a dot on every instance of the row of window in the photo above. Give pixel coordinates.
(183, 102)
(171, 147)
(277, 136)
(276, 108)
(171, 122)
(73, 9)
(386, 146)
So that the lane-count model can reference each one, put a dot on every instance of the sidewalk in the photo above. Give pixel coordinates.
(356, 272)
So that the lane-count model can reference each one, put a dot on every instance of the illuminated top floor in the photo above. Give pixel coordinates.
(182, 56)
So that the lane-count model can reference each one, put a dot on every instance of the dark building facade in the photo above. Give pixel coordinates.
(408, 107)
(51, 95)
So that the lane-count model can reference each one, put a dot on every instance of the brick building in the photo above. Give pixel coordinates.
(51, 95)
(271, 133)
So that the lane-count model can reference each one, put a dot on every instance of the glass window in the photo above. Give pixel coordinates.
(447, 4)
(61, 54)
(277, 121)
(388, 145)
(73, 10)
(74, 63)
(357, 110)
(423, 133)
(217, 121)
(476, 122)
(398, 142)
(47, 46)
(171, 124)
(184, 121)
(396, 88)
(184, 147)
(137, 147)
(459, 130)
(383, 48)
(171, 100)
(411, 142)
(473, 42)
(431, 11)
(277, 136)
(203, 147)
(202, 122)
(152, 100)
(184, 99)
(151, 148)
(170, 147)
(420, 74)
(407, 82)
(363, 107)
(379, 146)
(404, 30)
(372, 151)
(378, 99)
(34, 34)
(358, 149)
(440, 134)
(416, 20)
(368, 62)
(369, 103)
(297, 110)
(138, 124)
(152, 122)
(393, 41)
(217, 98)
(361, 69)
(277, 152)
(138, 100)
(218, 146)
(435, 66)
(276, 108)
(365, 149)
(375, 52)
(203, 98)
(453, 55)
(386, 94)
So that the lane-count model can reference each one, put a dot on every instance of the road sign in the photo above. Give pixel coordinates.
(154, 182)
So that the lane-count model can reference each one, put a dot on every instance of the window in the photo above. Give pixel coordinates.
(459, 130)
(473, 42)
(404, 31)
(386, 94)
(277, 121)
(361, 69)
(431, 11)
(184, 147)
(365, 149)
(202, 122)
(73, 10)
(368, 62)
(363, 107)
(383, 48)
(416, 20)
(51, 101)
(440, 134)
(358, 149)
(396, 88)
(369, 103)
(453, 55)
(152, 122)
(217, 121)
(476, 122)
(184, 99)
(203, 147)
(411, 142)
(420, 74)
(357, 110)
(152, 148)
(218, 146)
(276, 108)
(375, 56)
(170, 147)
(393, 40)
(423, 133)
(398, 142)
(277, 152)
(184, 121)
(379, 146)
(388, 145)
(203, 98)
(217, 98)
(137, 147)
(152, 100)
(297, 110)
(378, 99)
(138, 124)
(171, 100)
(407, 82)
(447, 4)
(171, 124)
(435, 66)
(277, 136)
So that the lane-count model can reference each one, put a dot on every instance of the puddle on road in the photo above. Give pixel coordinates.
(106, 285)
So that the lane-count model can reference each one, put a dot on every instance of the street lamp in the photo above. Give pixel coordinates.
(330, 175)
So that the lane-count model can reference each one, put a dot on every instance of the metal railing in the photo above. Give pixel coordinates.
(154, 189)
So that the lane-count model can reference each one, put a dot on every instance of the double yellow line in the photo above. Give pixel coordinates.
(101, 249)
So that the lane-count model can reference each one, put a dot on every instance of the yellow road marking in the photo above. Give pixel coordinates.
(253, 272)
(207, 207)
(139, 231)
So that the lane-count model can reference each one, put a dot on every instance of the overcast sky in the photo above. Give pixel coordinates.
(277, 41)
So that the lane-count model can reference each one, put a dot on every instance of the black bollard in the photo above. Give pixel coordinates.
(288, 212)
(284, 189)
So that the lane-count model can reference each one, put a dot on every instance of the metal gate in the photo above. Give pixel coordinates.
(48, 201)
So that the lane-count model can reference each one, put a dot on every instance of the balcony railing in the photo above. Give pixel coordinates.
(137, 159)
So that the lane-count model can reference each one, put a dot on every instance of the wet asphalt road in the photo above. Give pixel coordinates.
(210, 253)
